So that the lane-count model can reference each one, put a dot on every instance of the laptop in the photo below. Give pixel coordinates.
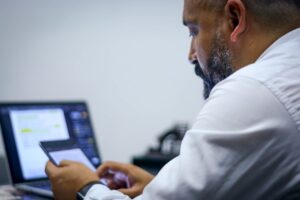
(25, 124)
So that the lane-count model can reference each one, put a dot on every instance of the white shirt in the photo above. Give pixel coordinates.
(245, 143)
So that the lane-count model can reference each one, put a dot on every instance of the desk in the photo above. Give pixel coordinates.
(11, 193)
(152, 162)
(8, 191)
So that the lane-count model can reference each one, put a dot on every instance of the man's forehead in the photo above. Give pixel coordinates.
(204, 4)
(190, 11)
(191, 5)
(192, 8)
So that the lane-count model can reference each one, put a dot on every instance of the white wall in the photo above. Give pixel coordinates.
(128, 59)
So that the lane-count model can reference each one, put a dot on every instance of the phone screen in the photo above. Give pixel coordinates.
(75, 154)
(65, 150)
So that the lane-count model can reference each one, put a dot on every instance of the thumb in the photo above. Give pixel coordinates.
(50, 168)
(131, 192)
(65, 163)
(110, 165)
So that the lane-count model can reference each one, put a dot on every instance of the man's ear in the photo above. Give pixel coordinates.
(235, 12)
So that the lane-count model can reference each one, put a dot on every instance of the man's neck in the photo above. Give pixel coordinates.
(257, 42)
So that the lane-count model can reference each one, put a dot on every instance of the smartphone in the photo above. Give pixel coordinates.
(68, 150)
(65, 150)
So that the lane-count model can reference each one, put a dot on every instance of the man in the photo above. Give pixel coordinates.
(245, 141)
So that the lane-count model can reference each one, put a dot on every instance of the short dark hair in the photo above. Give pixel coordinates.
(274, 13)
(268, 13)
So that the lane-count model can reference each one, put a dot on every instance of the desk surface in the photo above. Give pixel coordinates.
(11, 193)
(8, 191)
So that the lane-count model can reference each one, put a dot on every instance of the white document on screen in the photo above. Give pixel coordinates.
(30, 127)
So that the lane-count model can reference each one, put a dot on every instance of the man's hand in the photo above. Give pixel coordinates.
(137, 178)
(68, 178)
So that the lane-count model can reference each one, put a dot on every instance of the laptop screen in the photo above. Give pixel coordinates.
(24, 125)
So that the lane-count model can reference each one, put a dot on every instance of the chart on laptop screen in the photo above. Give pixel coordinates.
(29, 128)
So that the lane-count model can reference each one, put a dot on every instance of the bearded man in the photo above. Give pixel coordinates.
(245, 141)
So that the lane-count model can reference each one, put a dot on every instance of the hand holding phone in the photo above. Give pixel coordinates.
(68, 150)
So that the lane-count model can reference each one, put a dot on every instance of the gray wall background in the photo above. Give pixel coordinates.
(126, 58)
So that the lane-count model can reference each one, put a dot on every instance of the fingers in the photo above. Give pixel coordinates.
(132, 192)
(115, 166)
(65, 163)
(50, 169)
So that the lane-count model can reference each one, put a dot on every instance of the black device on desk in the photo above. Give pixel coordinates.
(168, 148)
(25, 124)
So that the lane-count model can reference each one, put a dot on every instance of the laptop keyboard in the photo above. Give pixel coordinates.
(41, 184)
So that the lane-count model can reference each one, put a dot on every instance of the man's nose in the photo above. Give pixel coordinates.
(192, 54)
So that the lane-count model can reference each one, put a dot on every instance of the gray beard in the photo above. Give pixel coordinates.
(218, 66)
